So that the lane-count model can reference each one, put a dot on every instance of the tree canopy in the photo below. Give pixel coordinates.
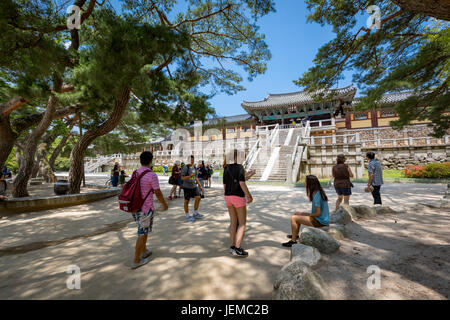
(409, 52)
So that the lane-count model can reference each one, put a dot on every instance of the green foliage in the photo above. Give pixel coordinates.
(429, 171)
(409, 53)
(11, 162)
(62, 164)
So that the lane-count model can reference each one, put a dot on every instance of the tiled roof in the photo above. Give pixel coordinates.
(296, 98)
(391, 98)
(232, 119)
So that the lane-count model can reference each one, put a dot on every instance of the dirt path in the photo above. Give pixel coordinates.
(191, 261)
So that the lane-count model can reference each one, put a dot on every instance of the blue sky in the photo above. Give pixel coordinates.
(293, 43)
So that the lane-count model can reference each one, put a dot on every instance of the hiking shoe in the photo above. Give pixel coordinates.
(140, 264)
(289, 244)
(289, 236)
(232, 248)
(190, 219)
(198, 216)
(239, 252)
(146, 254)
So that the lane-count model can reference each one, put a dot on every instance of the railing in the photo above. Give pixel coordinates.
(100, 161)
(266, 128)
(297, 153)
(323, 123)
(273, 135)
(335, 139)
(252, 155)
(378, 143)
(406, 142)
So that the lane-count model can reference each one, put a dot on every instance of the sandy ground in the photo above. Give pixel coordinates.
(191, 261)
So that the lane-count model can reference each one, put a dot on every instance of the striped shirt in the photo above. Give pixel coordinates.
(377, 171)
(148, 182)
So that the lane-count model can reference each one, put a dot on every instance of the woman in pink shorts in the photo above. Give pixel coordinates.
(236, 192)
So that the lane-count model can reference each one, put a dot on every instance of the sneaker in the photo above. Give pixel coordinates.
(239, 252)
(190, 219)
(146, 254)
(289, 236)
(140, 264)
(198, 216)
(232, 248)
(176, 197)
(170, 197)
(289, 244)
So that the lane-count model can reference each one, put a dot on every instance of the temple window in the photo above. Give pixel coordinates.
(361, 116)
(387, 114)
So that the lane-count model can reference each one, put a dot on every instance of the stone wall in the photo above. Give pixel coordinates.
(398, 158)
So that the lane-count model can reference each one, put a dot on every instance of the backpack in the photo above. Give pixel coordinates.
(130, 199)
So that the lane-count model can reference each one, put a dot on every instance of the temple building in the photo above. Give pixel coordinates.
(293, 107)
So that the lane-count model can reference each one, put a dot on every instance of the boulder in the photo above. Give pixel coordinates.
(359, 212)
(297, 281)
(342, 216)
(306, 254)
(319, 239)
(384, 210)
(337, 231)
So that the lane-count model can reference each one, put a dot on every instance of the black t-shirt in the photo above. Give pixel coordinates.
(232, 175)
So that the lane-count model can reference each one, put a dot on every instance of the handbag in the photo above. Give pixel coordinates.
(172, 180)
(369, 189)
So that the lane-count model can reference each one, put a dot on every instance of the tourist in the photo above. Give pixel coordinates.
(210, 171)
(144, 217)
(174, 181)
(115, 172)
(319, 216)
(122, 177)
(7, 173)
(342, 184)
(202, 176)
(3, 186)
(189, 175)
(375, 177)
(180, 181)
(165, 169)
(236, 192)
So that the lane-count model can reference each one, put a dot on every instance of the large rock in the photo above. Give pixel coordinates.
(337, 231)
(319, 239)
(297, 281)
(342, 215)
(384, 210)
(360, 212)
(306, 254)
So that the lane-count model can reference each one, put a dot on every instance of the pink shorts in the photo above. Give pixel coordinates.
(235, 201)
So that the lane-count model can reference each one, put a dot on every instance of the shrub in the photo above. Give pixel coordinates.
(429, 171)
(159, 169)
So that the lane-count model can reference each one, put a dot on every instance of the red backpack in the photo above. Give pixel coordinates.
(130, 199)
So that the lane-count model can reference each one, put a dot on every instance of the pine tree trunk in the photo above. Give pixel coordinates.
(57, 152)
(29, 150)
(6, 140)
(77, 154)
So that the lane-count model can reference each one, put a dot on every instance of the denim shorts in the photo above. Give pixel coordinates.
(138, 217)
(344, 191)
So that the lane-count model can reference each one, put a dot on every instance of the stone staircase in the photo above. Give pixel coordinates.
(281, 151)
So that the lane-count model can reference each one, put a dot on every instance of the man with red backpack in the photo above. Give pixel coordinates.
(139, 192)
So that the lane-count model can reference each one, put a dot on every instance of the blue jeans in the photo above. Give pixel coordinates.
(115, 181)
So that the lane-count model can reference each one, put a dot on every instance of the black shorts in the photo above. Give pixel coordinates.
(190, 193)
(344, 191)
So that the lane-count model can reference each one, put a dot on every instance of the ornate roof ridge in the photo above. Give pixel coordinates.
(298, 97)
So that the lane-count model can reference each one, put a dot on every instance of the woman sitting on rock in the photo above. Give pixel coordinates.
(320, 214)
